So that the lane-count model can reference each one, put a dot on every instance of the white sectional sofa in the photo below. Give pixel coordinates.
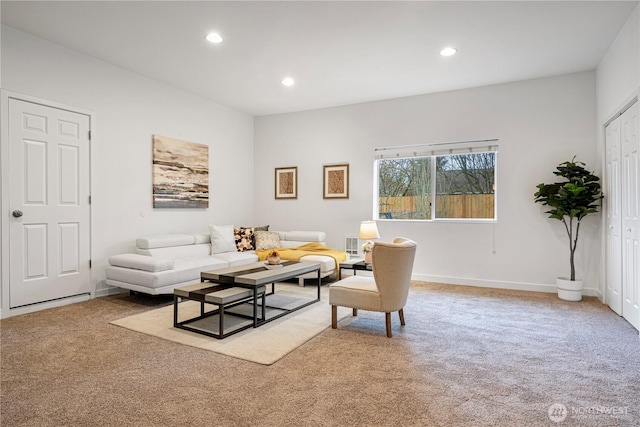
(162, 263)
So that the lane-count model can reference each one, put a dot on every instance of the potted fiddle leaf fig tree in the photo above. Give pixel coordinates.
(576, 195)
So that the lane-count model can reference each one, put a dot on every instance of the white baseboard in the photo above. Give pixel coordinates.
(498, 284)
(105, 292)
(44, 305)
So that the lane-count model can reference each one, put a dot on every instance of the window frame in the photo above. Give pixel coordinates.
(432, 152)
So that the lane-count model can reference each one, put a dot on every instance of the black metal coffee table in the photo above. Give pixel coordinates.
(236, 292)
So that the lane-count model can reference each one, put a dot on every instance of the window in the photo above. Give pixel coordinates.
(438, 181)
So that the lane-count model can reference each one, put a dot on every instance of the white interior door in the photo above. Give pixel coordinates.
(613, 217)
(630, 216)
(49, 231)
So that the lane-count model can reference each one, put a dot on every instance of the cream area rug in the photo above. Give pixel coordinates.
(265, 345)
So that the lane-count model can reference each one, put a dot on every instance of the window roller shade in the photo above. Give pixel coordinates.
(437, 149)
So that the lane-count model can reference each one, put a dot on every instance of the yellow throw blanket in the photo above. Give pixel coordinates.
(294, 254)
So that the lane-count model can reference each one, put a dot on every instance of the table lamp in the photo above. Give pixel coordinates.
(368, 231)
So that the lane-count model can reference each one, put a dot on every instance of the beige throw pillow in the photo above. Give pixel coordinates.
(267, 240)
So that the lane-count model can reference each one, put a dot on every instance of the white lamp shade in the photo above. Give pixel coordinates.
(368, 230)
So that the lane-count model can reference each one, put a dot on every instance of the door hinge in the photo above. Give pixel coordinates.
(89, 263)
(89, 135)
(89, 199)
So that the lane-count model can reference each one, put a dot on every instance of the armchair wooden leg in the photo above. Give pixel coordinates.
(355, 311)
(401, 314)
(388, 320)
(334, 316)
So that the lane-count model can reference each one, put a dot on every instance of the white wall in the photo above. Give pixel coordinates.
(539, 123)
(617, 82)
(128, 109)
(618, 74)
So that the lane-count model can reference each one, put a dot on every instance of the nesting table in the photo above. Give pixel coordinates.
(240, 297)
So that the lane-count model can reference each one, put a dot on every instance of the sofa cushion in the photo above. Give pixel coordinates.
(183, 271)
(327, 263)
(244, 239)
(237, 258)
(165, 240)
(267, 240)
(293, 239)
(303, 236)
(202, 250)
(202, 238)
(222, 239)
(141, 262)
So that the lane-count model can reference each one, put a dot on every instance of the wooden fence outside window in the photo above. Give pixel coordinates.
(447, 206)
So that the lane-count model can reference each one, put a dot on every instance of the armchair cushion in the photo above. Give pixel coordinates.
(356, 292)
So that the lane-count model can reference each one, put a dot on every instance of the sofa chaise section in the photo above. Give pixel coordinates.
(294, 239)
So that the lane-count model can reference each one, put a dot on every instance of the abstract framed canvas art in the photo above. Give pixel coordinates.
(180, 173)
(336, 181)
(286, 183)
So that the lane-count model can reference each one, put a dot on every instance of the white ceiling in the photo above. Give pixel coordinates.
(338, 52)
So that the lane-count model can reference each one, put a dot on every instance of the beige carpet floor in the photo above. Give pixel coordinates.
(467, 357)
(265, 345)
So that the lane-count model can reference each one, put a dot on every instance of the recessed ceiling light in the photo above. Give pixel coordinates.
(214, 38)
(288, 81)
(448, 51)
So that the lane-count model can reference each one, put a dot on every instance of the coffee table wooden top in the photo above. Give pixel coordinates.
(257, 274)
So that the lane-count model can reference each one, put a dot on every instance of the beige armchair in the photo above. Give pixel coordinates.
(386, 291)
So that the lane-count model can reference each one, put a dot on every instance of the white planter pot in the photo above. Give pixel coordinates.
(569, 290)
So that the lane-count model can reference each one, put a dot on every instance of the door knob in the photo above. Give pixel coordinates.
(17, 213)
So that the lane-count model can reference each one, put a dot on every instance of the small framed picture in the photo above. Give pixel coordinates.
(287, 183)
(336, 181)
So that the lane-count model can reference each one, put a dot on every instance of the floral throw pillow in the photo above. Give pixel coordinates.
(244, 239)
(267, 240)
(259, 228)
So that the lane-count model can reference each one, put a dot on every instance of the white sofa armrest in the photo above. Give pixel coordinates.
(141, 262)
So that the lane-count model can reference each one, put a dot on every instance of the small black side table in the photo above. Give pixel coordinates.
(355, 266)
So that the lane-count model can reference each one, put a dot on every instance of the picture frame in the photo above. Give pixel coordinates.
(180, 173)
(336, 181)
(286, 183)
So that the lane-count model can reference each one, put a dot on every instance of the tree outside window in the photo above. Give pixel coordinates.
(463, 184)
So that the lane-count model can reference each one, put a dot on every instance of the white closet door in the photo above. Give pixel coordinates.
(630, 216)
(614, 222)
